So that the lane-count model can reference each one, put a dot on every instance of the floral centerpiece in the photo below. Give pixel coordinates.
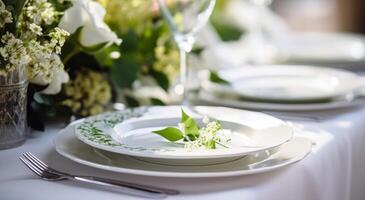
(30, 49)
(82, 55)
(100, 67)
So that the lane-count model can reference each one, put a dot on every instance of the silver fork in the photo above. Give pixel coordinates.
(50, 174)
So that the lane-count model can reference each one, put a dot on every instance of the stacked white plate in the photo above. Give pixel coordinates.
(123, 141)
(285, 87)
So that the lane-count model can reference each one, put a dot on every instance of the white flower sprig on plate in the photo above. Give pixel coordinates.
(193, 137)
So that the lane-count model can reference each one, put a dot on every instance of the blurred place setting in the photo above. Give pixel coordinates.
(182, 99)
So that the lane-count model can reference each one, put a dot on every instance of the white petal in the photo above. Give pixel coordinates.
(89, 15)
(96, 31)
(92, 35)
(39, 80)
(59, 76)
(74, 17)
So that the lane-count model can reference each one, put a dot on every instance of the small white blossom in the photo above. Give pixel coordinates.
(58, 39)
(5, 15)
(205, 120)
(34, 28)
(41, 12)
(13, 53)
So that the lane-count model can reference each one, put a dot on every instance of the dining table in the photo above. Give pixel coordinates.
(334, 170)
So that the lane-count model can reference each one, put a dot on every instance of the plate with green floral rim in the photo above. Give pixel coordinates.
(67, 144)
(129, 132)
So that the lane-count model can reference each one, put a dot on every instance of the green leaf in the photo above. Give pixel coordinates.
(156, 101)
(191, 127)
(184, 116)
(130, 41)
(226, 30)
(104, 56)
(161, 79)
(131, 102)
(124, 72)
(170, 133)
(42, 99)
(214, 77)
(197, 50)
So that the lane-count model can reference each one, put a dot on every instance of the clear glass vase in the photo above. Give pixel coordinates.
(13, 109)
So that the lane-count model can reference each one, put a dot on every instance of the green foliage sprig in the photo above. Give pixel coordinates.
(194, 137)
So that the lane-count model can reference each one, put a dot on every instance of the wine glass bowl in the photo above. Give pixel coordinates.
(185, 18)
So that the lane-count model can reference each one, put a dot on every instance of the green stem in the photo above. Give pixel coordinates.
(70, 54)
(222, 145)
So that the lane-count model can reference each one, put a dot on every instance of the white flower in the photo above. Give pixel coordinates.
(59, 76)
(34, 28)
(89, 15)
(5, 15)
(205, 120)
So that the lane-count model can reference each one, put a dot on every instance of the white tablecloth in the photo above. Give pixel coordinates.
(335, 170)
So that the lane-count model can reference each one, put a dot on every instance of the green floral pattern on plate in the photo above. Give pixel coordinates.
(92, 129)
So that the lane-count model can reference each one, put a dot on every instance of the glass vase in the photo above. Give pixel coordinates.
(13, 109)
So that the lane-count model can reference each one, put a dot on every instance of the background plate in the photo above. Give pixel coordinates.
(285, 83)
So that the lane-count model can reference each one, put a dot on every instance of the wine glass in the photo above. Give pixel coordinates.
(185, 18)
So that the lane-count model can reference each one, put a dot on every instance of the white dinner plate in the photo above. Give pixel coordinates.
(67, 144)
(285, 83)
(208, 98)
(118, 132)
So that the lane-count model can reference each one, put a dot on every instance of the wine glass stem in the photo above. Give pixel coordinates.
(184, 76)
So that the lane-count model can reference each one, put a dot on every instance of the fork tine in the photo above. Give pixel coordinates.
(31, 167)
(37, 159)
(44, 172)
(34, 161)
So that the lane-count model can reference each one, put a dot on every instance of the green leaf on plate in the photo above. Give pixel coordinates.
(214, 77)
(184, 116)
(191, 127)
(170, 133)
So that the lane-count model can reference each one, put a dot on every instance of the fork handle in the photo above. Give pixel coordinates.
(126, 187)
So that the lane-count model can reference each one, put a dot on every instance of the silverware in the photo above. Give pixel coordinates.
(50, 174)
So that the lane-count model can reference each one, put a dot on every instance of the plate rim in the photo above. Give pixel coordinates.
(169, 174)
(345, 74)
(242, 104)
(166, 157)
